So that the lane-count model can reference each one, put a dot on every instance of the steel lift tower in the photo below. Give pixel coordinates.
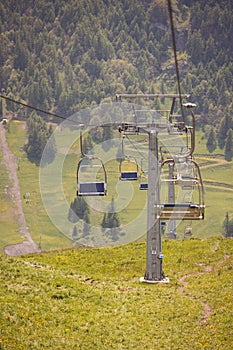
(154, 271)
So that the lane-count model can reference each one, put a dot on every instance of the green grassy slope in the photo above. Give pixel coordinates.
(216, 172)
(92, 299)
(38, 222)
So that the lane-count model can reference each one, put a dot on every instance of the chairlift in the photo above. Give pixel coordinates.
(181, 211)
(143, 185)
(90, 166)
(91, 188)
(128, 169)
(185, 179)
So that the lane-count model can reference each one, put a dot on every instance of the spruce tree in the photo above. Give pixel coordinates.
(50, 149)
(229, 146)
(110, 219)
(79, 209)
(212, 141)
(225, 125)
(86, 224)
(38, 136)
(119, 153)
(228, 226)
(87, 143)
(107, 136)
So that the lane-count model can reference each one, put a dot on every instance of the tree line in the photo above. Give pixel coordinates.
(223, 138)
(41, 144)
(63, 56)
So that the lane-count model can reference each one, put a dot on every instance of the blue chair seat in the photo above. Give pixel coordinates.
(143, 186)
(91, 189)
(129, 175)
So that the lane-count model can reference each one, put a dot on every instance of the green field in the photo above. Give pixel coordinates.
(38, 222)
(91, 298)
(57, 233)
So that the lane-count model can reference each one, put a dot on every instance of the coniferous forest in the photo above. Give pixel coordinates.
(62, 55)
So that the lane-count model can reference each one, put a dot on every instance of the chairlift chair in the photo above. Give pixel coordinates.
(143, 185)
(185, 209)
(90, 162)
(91, 188)
(128, 169)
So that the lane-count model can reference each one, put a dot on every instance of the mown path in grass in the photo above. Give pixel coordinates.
(219, 185)
(208, 162)
(207, 269)
(182, 290)
(9, 161)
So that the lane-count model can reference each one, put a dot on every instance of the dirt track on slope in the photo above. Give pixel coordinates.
(13, 188)
(207, 310)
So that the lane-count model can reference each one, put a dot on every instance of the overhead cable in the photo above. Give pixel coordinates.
(175, 55)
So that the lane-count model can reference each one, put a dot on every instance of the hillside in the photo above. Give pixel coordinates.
(78, 291)
(62, 56)
(92, 299)
(47, 207)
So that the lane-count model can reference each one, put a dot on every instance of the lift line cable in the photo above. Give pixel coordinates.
(53, 114)
(57, 115)
(32, 107)
(175, 56)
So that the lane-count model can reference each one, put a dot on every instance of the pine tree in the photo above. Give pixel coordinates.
(107, 136)
(86, 224)
(107, 133)
(72, 217)
(87, 143)
(79, 209)
(229, 146)
(228, 226)
(104, 222)
(110, 219)
(212, 141)
(50, 149)
(38, 136)
(119, 153)
(225, 125)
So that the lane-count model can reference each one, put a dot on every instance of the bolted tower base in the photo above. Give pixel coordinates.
(164, 280)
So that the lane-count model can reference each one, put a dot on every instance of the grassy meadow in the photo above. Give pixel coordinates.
(38, 222)
(91, 298)
(129, 201)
